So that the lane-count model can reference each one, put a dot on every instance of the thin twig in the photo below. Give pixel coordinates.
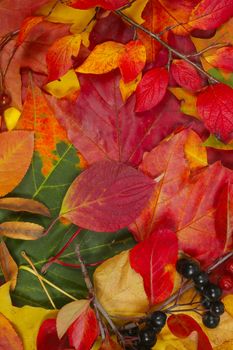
(214, 46)
(166, 45)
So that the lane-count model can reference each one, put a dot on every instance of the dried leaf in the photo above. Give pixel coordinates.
(68, 314)
(106, 197)
(21, 230)
(16, 149)
(24, 204)
(215, 106)
(9, 339)
(8, 265)
(155, 260)
(151, 89)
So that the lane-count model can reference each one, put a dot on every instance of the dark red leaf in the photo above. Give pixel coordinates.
(106, 4)
(155, 260)
(47, 338)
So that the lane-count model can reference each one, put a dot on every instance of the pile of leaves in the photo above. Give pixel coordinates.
(116, 158)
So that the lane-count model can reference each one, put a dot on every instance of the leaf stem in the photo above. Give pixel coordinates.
(166, 45)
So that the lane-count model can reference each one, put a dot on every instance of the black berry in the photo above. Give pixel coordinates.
(148, 337)
(210, 320)
(5, 100)
(212, 292)
(201, 279)
(131, 332)
(217, 308)
(158, 319)
(206, 303)
(187, 268)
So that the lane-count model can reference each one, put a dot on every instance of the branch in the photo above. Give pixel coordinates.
(166, 45)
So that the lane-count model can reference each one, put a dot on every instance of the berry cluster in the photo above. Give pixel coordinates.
(145, 337)
(226, 281)
(210, 292)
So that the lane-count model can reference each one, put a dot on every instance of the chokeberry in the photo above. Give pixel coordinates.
(226, 282)
(158, 319)
(229, 267)
(5, 100)
(212, 292)
(201, 279)
(210, 320)
(187, 268)
(206, 302)
(131, 332)
(148, 337)
(217, 308)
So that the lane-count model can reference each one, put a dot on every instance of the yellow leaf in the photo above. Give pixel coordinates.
(8, 265)
(67, 86)
(78, 19)
(188, 101)
(119, 288)
(135, 11)
(104, 58)
(213, 142)
(21, 230)
(11, 116)
(195, 152)
(128, 88)
(26, 320)
(68, 314)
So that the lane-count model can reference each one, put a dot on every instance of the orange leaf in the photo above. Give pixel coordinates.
(60, 55)
(9, 339)
(26, 27)
(24, 204)
(222, 58)
(8, 265)
(104, 58)
(38, 116)
(132, 60)
(16, 149)
(21, 230)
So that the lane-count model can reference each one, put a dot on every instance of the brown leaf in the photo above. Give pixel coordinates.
(21, 230)
(24, 204)
(8, 265)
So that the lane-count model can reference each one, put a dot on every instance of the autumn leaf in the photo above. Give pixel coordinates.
(8, 265)
(9, 339)
(183, 325)
(215, 106)
(186, 75)
(60, 55)
(119, 288)
(26, 27)
(109, 344)
(47, 338)
(188, 101)
(16, 149)
(24, 204)
(151, 89)
(106, 197)
(213, 142)
(11, 117)
(21, 230)
(128, 89)
(210, 14)
(132, 60)
(155, 260)
(222, 58)
(106, 4)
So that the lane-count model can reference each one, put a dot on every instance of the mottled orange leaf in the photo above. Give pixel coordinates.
(215, 106)
(16, 149)
(104, 58)
(38, 116)
(132, 60)
(210, 14)
(8, 265)
(60, 54)
(9, 338)
(26, 27)
(222, 58)
(186, 75)
(21, 230)
(24, 204)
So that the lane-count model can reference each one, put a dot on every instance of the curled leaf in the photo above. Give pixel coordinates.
(8, 265)
(24, 204)
(21, 230)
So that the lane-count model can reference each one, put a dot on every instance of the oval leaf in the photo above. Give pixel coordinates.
(215, 106)
(151, 89)
(155, 260)
(9, 339)
(186, 75)
(106, 197)
(68, 314)
(24, 204)
(16, 149)
(21, 230)
(47, 338)
(183, 325)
